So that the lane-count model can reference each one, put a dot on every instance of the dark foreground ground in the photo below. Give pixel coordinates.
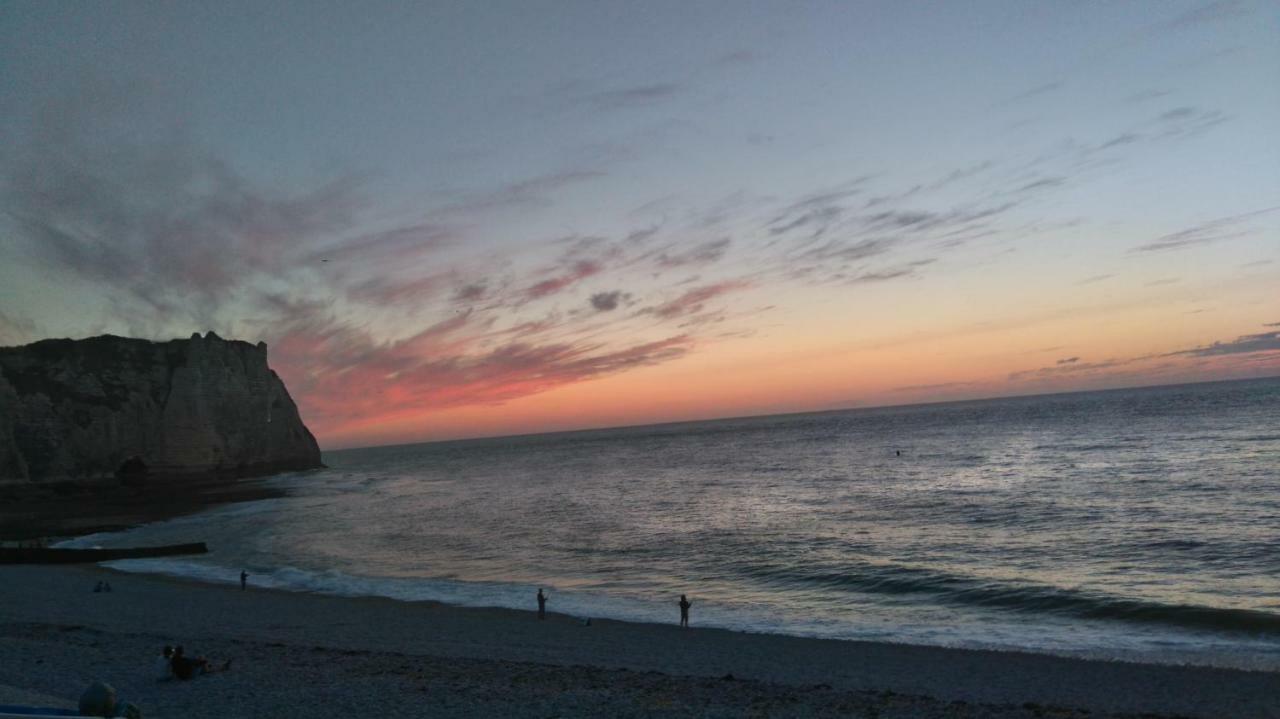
(319, 656)
(65, 509)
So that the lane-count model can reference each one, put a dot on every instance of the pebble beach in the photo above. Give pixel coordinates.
(341, 657)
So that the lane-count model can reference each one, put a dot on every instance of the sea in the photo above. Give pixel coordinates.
(1136, 525)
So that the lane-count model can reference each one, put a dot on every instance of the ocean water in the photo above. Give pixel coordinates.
(1134, 524)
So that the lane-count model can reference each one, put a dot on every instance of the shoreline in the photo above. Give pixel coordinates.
(51, 609)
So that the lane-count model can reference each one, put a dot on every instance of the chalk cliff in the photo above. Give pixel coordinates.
(116, 407)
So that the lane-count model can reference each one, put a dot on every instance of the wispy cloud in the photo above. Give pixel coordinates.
(1037, 91)
(1210, 13)
(575, 273)
(695, 300)
(1070, 368)
(699, 254)
(630, 97)
(934, 387)
(342, 377)
(1263, 342)
(158, 219)
(1217, 230)
(1094, 279)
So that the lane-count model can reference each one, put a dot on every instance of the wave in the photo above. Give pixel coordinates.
(1026, 597)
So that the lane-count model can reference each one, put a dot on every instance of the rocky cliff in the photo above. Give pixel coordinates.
(112, 407)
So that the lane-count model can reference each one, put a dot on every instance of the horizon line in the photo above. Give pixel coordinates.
(988, 398)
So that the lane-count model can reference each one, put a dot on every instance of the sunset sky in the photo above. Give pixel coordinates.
(478, 218)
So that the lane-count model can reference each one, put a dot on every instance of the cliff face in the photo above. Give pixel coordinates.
(110, 406)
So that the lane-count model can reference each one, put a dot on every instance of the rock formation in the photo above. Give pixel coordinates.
(112, 407)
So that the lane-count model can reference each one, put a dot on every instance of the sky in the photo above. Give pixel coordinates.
(468, 219)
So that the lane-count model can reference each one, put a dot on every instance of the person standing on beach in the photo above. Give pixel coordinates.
(244, 579)
(684, 611)
(542, 604)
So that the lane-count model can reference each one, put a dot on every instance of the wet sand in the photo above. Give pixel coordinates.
(335, 656)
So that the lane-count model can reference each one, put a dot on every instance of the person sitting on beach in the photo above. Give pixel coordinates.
(184, 668)
(542, 604)
(97, 588)
(684, 610)
(164, 665)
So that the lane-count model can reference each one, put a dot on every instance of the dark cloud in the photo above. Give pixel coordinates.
(1147, 95)
(739, 57)
(1124, 138)
(963, 173)
(816, 212)
(1179, 113)
(637, 237)
(606, 301)
(845, 251)
(1210, 13)
(575, 273)
(1069, 368)
(1223, 228)
(1042, 183)
(880, 275)
(1069, 360)
(1093, 279)
(473, 292)
(1264, 342)
(903, 218)
(628, 97)
(818, 219)
(693, 301)
(930, 387)
(1036, 91)
(1182, 122)
(700, 254)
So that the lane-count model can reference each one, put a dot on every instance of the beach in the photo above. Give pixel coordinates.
(340, 656)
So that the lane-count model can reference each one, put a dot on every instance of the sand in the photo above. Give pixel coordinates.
(336, 656)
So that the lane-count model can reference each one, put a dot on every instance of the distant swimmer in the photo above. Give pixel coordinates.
(542, 604)
(897, 452)
(684, 610)
(244, 579)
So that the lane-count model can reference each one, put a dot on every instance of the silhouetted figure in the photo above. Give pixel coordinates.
(184, 668)
(244, 579)
(106, 586)
(97, 588)
(164, 664)
(684, 610)
(897, 452)
(542, 604)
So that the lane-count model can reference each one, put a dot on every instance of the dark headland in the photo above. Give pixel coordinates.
(106, 432)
